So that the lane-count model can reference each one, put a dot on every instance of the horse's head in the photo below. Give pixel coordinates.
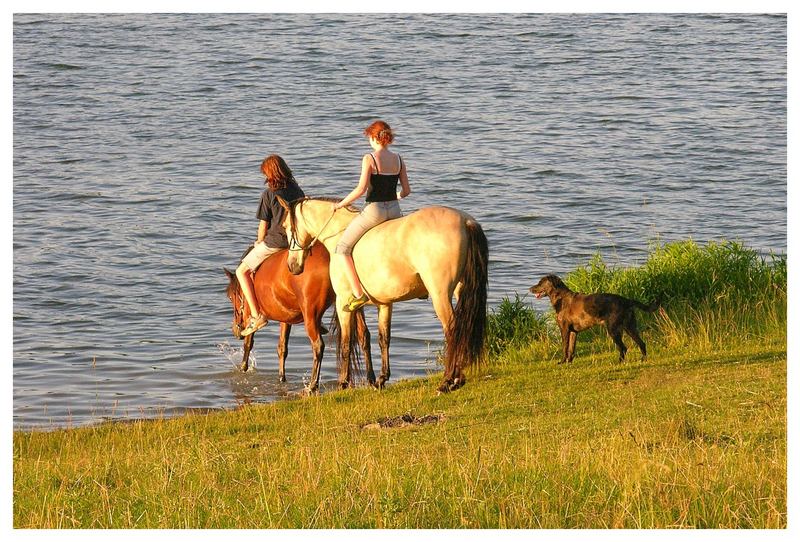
(234, 292)
(299, 237)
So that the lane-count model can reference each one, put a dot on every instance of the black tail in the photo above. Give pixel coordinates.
(465, 341)
(349, 357)
(652, 307)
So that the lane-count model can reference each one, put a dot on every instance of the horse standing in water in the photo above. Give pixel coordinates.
(291, 299)
(435, 252)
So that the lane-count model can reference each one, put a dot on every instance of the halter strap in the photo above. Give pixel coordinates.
(314, 240)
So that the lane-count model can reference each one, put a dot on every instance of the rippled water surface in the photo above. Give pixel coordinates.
(138, 138)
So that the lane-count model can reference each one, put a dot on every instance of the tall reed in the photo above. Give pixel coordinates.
(711, 294)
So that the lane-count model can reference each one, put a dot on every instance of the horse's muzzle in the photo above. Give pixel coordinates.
(295, 268)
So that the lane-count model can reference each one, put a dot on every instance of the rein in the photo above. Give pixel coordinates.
(294, 242)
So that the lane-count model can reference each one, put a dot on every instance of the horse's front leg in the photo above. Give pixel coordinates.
(283, 349)
(345, 348)
(247, 347)
(313, 329)
(366, 347)
(384, 338)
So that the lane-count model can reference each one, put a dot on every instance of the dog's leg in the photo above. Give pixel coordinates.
(573, 336)
(615, 331)
(564, 343)
(632, 331)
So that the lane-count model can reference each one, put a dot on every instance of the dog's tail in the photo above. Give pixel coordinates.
(652, 307)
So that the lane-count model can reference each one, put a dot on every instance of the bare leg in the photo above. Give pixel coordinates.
(245, 277)
(247, 346)
(384, 338)
(352, 276)
(283, 350)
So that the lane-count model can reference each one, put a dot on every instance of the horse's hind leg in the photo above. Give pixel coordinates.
(384, 338)
(283, 350)
(366, 347)
(247, 347)
(457, 291)
(318, 349)
(453, 377)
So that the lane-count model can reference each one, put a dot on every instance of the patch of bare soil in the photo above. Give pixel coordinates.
(406, 420)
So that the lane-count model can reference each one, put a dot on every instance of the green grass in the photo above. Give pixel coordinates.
(693, 437)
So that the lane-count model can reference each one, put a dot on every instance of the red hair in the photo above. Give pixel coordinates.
(380, 132)
(276, 171)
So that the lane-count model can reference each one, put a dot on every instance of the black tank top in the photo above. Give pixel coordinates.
(383, 187)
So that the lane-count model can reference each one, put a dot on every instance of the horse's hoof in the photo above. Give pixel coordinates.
(444, 387)
(343, 385)
(282, 379)
(309, 391)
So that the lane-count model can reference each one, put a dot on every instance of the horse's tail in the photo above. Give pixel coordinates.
(465, 341)
(352, 357)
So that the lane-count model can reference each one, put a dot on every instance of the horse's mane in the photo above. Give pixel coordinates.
(297, 202)
(293, 206)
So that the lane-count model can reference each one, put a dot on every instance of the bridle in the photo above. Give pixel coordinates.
(240, 311)
(294, 246)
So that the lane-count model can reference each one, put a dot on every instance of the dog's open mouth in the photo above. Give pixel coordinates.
(538, 295)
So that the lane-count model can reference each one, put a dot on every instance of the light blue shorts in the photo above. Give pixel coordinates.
(372, 215)
(259, 253)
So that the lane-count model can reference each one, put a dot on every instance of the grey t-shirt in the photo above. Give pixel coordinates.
(271, 211)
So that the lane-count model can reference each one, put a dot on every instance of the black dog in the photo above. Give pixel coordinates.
(576, 312)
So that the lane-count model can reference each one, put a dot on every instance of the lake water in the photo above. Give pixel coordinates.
(138, 140)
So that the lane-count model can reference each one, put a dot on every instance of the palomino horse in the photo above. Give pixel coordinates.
(291, 299)
(435, 252)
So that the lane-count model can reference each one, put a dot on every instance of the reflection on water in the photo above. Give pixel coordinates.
(138, 140)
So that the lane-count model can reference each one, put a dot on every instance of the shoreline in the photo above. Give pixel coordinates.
(517, 432)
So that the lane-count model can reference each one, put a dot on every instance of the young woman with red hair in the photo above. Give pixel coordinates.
(271, 238)
(382, 205)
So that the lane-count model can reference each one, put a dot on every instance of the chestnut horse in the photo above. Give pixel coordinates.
(290, 299)
(435, 252)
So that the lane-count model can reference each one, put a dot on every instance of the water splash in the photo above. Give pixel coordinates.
(234, 355)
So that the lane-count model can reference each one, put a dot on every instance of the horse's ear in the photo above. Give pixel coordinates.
(228, 272)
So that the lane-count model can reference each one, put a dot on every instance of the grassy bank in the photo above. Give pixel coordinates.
(693, 437)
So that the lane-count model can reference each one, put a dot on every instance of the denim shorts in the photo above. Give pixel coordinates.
(259, 253)
(372, 215)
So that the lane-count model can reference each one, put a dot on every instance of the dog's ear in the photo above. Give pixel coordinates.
(555, 281)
